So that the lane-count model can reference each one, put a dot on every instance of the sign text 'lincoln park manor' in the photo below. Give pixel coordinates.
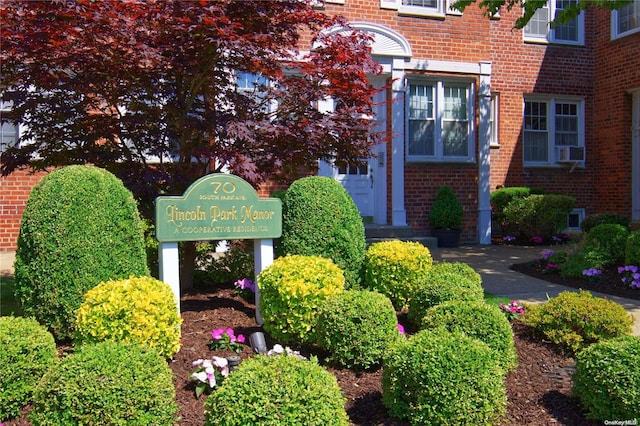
(218, 207)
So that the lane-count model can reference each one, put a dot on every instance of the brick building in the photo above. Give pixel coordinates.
(473, 104)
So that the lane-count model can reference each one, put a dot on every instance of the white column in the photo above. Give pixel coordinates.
(484, 151)
(169, 261)
(263, 257)
(399, 213)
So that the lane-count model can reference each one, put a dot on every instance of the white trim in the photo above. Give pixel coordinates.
(581, 214)
(390, 4)
(614, 25)
(444, 66)
(550, 35)
(386, 41)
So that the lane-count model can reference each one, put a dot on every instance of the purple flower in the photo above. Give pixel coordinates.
(400, 328)
(546, 254)
(508, 238)
(245, 284)
(592, 272)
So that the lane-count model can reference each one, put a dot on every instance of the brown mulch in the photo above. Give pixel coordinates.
(538, 391)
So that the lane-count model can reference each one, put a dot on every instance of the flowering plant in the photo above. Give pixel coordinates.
(593, 274)
(209, 373)
(245, 288)
(513, 310)
(222, 338)
(287, 351)
(630, 275)
(401, 329)
(508, 238)
(536, 239)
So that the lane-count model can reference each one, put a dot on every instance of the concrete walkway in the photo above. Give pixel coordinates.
(492, 262)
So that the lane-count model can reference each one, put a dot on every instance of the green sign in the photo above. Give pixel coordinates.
(218, 207)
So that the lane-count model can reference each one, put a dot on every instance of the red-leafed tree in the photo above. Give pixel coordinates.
(149, 89)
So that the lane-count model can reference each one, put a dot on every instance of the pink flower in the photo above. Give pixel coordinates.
(240, 338)
(400, 329)
(217, 333)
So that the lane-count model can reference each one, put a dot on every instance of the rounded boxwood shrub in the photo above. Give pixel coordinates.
(108, 383)
(80, 227)
(500, 198)
(575, 320)
(632, 249)
(136, 309)
(394, 268)
(27, 352)
(541, 215)
(277, 390)
(607, 377)
(319, 218)
(446, 281)
(443, 378)
(605, 245)
(480, 320)
(446, 210)
(291, 291)
(356, 327)
(590, 222)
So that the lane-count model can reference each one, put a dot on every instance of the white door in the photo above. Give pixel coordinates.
(357, 179)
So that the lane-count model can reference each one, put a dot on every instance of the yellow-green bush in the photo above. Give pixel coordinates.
(137, 309)
(27, 352)
(393, 268)
(576, 320)
(291, 291)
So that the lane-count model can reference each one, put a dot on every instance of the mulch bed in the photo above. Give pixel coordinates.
(538, 391)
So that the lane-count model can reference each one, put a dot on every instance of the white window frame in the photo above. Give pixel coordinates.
(494, 126)
(615, 21)
(438, 90)
(550, 35)
(552, 151)
(436, 12)
(8, 128)
(577, 212)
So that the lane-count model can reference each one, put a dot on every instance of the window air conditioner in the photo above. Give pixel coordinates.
(570, 154)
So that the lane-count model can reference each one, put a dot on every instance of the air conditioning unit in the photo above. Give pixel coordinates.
(570, 154)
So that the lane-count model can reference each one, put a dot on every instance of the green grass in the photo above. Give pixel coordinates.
(9, 305)
(495, 300)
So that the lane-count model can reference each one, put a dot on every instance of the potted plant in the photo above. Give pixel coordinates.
(445, 217)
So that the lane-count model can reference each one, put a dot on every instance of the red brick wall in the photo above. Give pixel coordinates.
(520, 68)
(617, 70)
(14, 193)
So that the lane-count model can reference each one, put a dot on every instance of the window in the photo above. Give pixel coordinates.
(539, 29)
(439, 128)
(574, 219)
(493, 120)
(553, 131)
(435, 8)
(8, 131)
(625, 20)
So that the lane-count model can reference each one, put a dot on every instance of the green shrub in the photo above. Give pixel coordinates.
(109, 383)
(141, 310)
(80, 227)
(319, 218)
(539, 215)
(356, 327)
(27, 352)
(576, 320)
(479, 320)
(574, 264)
(446, 281)
(443, 378)
(632, 249)
(215, 269)
(605, 245)
(277, 390)
(590, 222)
(446, 210)
(500, 198)
(607, 377)
(291, 292)
(393, 268)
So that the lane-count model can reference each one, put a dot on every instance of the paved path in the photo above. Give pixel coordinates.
(492, 262)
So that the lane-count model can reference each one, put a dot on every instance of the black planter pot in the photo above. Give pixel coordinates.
(447, 237)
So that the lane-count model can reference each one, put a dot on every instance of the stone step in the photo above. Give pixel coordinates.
(388, 231)
(429, 242)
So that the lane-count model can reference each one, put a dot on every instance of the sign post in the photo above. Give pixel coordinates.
(216, 207)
